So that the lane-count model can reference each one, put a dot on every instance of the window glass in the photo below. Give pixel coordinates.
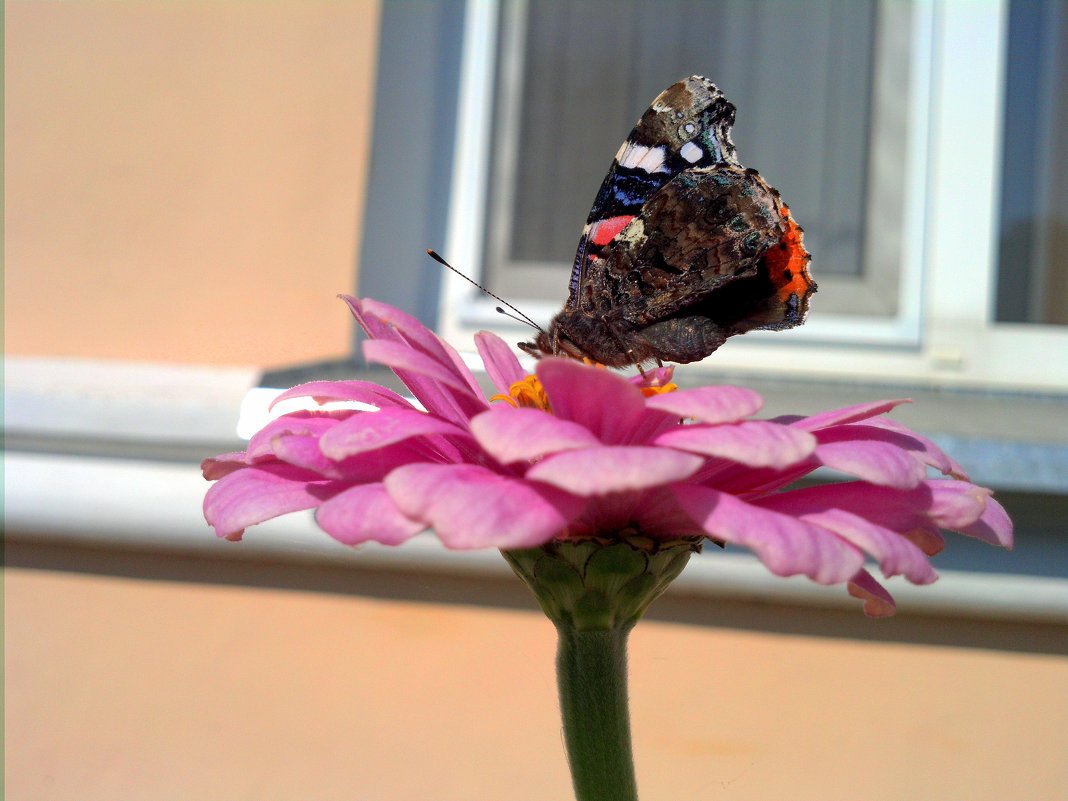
(1032, 284)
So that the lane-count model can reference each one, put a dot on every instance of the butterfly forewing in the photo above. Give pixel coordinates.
(688, 125)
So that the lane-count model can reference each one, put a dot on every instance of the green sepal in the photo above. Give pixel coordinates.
(600, 584)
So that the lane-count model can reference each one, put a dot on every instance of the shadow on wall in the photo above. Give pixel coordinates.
(495, 592)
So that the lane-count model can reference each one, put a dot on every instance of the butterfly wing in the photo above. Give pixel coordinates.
(687, 126)
(683, 247)
(714, 253)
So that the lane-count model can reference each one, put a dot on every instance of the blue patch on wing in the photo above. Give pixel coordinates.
(625, 191)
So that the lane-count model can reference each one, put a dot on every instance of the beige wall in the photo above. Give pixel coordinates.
(185, 179)
(127, 688)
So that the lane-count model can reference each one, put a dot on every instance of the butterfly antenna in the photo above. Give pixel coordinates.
(522, 318)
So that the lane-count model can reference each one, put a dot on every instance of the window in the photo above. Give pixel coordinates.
(881, 122)
(810, 118)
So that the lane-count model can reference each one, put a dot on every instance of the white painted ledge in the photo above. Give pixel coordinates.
(117, 400)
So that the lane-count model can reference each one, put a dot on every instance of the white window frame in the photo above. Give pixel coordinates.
(945, 332)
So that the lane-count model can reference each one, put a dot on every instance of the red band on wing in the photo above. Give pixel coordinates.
(604, 231)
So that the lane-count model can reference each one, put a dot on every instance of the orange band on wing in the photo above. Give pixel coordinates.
(788, 262)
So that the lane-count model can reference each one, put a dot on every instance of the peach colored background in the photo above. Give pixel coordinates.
(136, 689)
(182, 174)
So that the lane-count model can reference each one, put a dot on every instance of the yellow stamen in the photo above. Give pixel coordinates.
(530, 394)
(527, 393)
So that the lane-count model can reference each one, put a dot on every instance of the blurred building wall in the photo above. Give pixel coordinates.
(133, 688)
(185, 179)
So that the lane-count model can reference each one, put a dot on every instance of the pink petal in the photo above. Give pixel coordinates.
(360, 469)
(358, 391)
(941, 503)
(956, 504)
(599, 471)
(471, 507)
(657, 377)
(876, 462)
(372, 430)
(303, 451)
(434, 384)
(215, 467)
(420, 360)
(604, 402)
(382, 321)
(877, 601)
(848, 414)
(246, 497)
(364, 513)
(723, 404)
(896, 554)
(385, 322)
(751, 482)
(654, 512)
(787, 546)
(305, 423)
(924, 449)
(897, 510)
(754, 443)
(399, 356)
(993, 526)
(512, 435)
(928, 540)
(501, 365)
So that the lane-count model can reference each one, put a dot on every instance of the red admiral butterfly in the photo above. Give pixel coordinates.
(683, 248)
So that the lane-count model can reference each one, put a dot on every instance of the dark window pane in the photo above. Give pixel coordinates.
(1032, 282)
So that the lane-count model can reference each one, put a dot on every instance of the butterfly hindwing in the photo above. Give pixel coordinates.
(713, 254)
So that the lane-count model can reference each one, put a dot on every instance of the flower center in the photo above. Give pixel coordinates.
(528, 392)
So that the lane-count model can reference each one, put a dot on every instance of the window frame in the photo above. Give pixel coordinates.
(945, 332)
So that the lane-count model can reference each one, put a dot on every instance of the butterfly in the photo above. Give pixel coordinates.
(683, 248)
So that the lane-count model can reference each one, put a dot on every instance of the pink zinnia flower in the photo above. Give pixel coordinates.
(576, 451)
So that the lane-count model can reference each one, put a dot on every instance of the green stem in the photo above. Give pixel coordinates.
(591, 671)
(594, 591)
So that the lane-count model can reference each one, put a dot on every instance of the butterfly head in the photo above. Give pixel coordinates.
(553, 342)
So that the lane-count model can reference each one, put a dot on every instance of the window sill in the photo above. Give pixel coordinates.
(132, 503)
(106, 454)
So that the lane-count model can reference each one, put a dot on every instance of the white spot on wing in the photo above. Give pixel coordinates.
(691, 152)
(634, 231)
(631, 155)
(653, 159)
